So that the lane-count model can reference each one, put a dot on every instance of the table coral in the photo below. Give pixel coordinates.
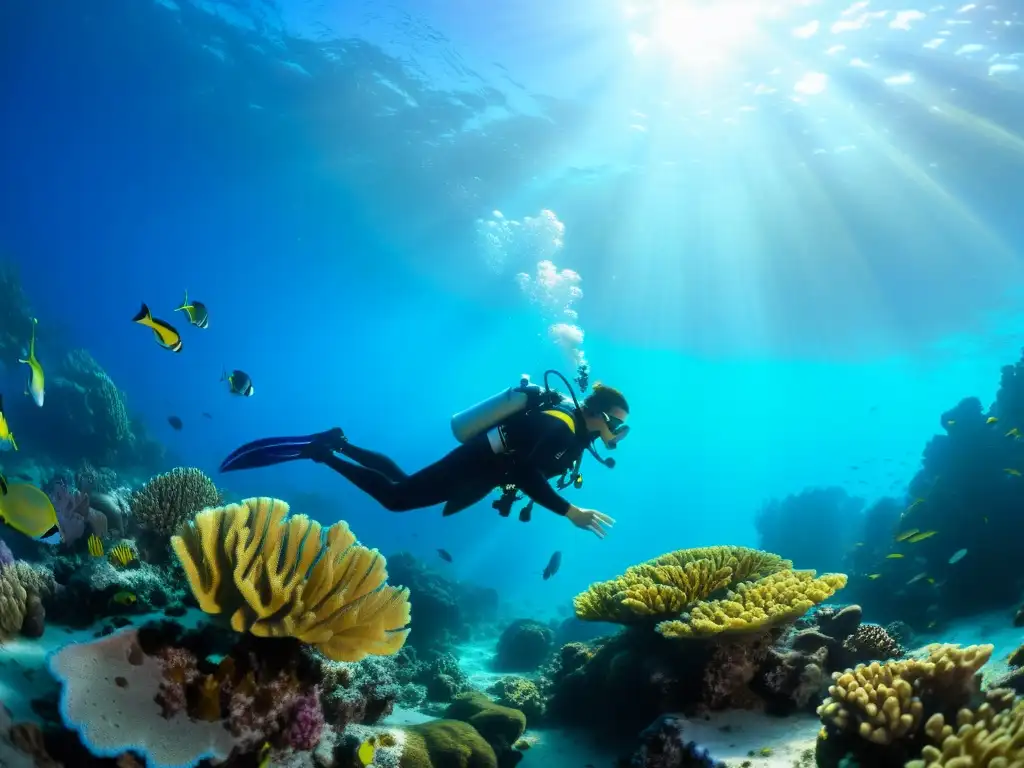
(755, 606)
(665, 586)
(275, 576)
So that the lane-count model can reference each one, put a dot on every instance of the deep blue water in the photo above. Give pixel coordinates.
(785, 280)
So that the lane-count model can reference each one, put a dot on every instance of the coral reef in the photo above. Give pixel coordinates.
(23, 588)
(520, 693)
(877, 712)
(276, 576)
(765, 592)
(500, 726)
(523, 646)
(169, 500)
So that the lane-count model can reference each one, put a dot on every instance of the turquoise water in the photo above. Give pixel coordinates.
(788, 232)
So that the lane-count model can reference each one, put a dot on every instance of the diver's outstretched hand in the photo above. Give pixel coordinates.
(590, 520)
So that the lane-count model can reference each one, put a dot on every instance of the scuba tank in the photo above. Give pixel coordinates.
(488, 413)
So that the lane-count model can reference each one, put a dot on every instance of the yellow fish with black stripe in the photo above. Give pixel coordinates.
(29, 511)
(6, 436)
(166, 334)
(95, 546)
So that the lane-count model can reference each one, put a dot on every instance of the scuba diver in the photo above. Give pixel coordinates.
(521, 438)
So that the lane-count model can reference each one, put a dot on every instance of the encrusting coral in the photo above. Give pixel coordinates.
(276, 576)
(766, 591)
(169, 500)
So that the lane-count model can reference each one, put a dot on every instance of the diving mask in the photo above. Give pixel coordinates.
(618, 428)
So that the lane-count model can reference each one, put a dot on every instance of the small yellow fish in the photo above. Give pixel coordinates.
(1013, 433)
(263, 758)
(921, 536)
(125, 598)
(907, 534)
(1012, 471)
(894, 556)
(5, 431)
(95, 546)
(873, 576)
(165, 333)
(367, 750)
(36, 385)
(991, 420)
(121, 555)
(931, 580)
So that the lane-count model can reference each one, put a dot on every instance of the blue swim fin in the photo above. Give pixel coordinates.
(277, 450)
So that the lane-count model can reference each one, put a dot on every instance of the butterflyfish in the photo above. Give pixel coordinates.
(28, 510)
(196, 311)
(239, 383)
(36, 386)
(367, 750)
(165, 333)
(95, 546)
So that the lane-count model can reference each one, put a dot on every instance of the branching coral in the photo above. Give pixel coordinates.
(664, 587)
(775, 599)
(276, 576)
(882, 703)
(170, 499)
(991, 735)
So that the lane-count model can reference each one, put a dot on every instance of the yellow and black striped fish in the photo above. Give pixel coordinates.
(121, 555)
(95, 546)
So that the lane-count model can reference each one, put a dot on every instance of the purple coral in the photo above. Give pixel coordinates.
(6, 556)
(72, 508)
(307, 721)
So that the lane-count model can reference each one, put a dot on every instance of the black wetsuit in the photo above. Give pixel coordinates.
(539, 445)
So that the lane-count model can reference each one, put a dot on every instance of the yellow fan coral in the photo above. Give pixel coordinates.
(277, 576)
(664, 587)
(757, 605)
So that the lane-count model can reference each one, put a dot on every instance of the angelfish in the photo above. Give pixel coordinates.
(36, 380)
